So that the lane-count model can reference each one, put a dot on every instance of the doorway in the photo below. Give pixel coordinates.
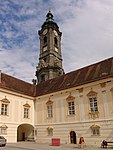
(73, 137)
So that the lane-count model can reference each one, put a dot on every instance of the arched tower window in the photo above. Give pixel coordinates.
(45, 39)
(55, 41)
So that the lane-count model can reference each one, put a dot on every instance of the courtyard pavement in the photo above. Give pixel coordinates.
(36, 146)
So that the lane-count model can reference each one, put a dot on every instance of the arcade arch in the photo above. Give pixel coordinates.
(25, 132)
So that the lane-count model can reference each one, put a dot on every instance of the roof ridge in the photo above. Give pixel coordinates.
(98, 62)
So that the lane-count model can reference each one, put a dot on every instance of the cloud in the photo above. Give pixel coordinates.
(87, 28)
(88, 34)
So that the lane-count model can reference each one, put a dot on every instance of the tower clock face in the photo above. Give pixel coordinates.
(45, 31)
(55, 32)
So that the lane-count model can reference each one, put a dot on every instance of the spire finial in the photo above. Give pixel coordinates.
(49, 16)
(49, 10)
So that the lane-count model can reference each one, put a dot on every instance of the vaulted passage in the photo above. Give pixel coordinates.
(25, 132)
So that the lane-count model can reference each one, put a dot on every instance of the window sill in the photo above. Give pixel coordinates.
(72, 115)
(95, 135)
(94, 115)
(49, 117)
(96, 112)
(26, 118)
(4, 115)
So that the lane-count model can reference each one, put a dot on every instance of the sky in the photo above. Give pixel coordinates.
(86, 26)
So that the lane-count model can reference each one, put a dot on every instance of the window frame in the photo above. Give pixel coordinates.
(50, 131)
(95, 129)
(49, 111)
(93, 104)
(4, 109)
(71, 107)
(49, 108)
(26, 111)
(5, 106)
(3, 129)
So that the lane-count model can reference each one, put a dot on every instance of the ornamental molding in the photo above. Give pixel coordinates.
(92, 93)
(94, 126)
(70, 97)
(111, 89)
(103, 84)
(49, 102)
(4, 126)
(50, 128)
(94, 115)
(5, 100)
(80, 90)
(27, 105)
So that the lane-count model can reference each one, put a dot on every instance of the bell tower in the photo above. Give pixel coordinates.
(50, 59)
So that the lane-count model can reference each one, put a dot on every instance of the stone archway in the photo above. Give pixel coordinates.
(25, 132)
(73, 137)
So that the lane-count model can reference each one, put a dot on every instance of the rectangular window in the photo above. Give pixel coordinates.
(4, 109)
(3, 131)
(71, 108)
(49, 109)
(26, 112)
(50, 132)
(96, 131)
(93, 104)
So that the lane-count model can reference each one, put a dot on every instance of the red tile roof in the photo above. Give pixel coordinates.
(16, 85)
(92, 73)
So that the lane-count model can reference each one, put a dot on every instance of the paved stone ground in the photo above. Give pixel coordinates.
(36, 146)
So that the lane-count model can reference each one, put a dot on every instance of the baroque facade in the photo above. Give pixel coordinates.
(65, 106)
